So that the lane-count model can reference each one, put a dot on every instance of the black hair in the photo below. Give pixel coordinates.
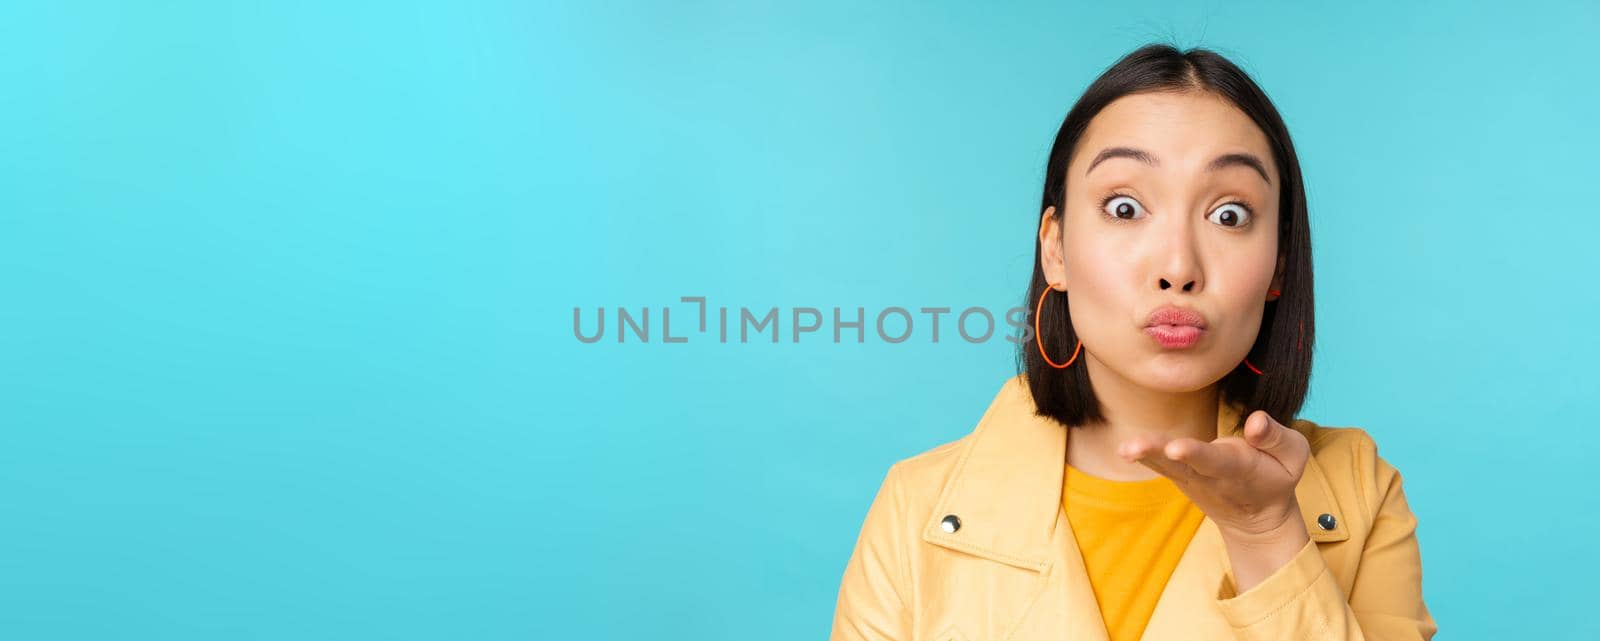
(1283, 348)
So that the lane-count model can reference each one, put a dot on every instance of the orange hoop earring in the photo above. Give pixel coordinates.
(1038, 338)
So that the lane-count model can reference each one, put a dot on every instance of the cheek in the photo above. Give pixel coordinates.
(1245, 274)
(1241, 290)
(1094, 257)
(1093, 269)
(1101, 281)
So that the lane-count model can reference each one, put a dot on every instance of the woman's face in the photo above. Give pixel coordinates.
(1171, 199)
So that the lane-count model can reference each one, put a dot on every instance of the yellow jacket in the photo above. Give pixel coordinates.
(1011, 570)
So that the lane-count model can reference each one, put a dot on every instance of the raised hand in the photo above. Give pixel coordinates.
(1245, 485)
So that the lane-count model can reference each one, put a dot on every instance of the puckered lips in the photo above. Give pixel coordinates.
(1175, 327)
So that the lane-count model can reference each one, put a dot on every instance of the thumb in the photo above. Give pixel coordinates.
(1278, 441)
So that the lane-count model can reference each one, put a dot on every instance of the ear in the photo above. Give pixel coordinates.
(1052, 257)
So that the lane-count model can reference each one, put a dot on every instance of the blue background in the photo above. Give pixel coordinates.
(287, 294)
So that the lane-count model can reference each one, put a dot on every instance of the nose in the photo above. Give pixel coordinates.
(1178, 259)
(1167, 284)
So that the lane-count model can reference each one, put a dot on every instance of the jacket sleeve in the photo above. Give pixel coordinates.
(874, 600)
(1303, 600)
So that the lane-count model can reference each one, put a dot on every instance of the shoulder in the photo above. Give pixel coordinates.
(921, 476)
(1332, 444)
(927, 472)
(1348, 457)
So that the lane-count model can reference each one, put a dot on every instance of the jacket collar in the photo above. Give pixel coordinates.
(1006, 485)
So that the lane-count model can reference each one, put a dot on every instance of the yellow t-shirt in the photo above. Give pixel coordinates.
(1131, 534)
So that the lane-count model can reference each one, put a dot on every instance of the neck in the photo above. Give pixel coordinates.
(1132, 409)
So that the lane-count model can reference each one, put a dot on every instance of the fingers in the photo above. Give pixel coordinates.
(1208, 459)
(1139, 446)
(1285, 445)
(1203, 458)
(1151, 451)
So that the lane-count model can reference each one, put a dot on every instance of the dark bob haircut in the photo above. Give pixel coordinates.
(1283, 348)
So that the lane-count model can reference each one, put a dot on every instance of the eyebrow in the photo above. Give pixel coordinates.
(1220, 162)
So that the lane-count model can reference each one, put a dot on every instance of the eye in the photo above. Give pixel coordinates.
(1122, 208)
(1231, 215)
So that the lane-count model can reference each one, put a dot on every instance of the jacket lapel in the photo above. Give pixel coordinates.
(1006, 491)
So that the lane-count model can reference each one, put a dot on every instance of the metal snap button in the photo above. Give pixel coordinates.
(1327, 522)
(950, 523)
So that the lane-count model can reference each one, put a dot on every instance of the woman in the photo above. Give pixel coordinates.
(1134, 480)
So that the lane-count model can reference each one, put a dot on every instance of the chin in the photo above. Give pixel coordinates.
(1177, 372)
